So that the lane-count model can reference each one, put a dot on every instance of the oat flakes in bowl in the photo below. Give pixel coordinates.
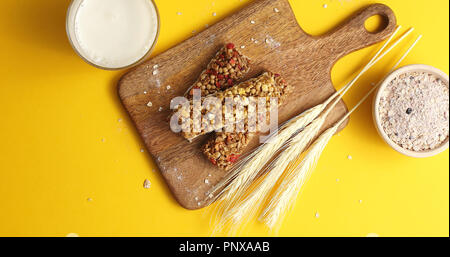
(411, 110)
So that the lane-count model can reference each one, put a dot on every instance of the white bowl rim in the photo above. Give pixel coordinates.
(408, 68)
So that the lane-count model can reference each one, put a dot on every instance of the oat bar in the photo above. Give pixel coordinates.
(224, 70)
(267, 85)
(225, 148)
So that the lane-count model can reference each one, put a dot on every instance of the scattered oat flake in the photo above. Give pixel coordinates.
(72, 235)
(145, 92)
(168, 87)
(196, 198)
(160, 109)
(147, 184)
(142, 150)
(206, 181)
(276, 10)
(242, 47)
(349, 157)
(271, 42)
(149, 104)
(155, 72)
(199, 204)
(252, 22)
(325, 6)
(210, 195)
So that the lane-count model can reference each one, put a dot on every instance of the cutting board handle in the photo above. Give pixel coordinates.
(352, 35)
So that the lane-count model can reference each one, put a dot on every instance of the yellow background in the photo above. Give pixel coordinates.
(55, 110)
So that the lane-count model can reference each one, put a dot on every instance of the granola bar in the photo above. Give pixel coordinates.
(223, 71)
(225, 148)
(267, 85)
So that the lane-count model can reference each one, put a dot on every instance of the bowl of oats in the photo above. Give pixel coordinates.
(411, 110)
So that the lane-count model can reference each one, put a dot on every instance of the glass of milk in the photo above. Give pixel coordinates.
(113, 34)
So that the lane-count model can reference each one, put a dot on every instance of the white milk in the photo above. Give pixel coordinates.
(112, 33)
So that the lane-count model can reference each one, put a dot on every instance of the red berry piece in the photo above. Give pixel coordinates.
(233, 158)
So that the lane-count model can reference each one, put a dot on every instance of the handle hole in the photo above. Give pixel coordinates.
(376, 23)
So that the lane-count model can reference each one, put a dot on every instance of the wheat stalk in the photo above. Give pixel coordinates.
(246, 171)
(242, 176)
(297, 175)
(234, 205)
(294, 180)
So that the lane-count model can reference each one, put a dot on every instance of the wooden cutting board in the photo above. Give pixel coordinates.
(278, 45)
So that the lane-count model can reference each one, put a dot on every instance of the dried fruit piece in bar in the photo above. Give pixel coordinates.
(227, 67)
(267, 86)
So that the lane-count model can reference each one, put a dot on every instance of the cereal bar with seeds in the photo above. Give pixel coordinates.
(267, 85)
(227, 67)
(225, 148)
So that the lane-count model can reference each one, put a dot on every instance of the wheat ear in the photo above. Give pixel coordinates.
(229, 210)
(245, 171)
(300, 141)
(297, 175)
(251, 203)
